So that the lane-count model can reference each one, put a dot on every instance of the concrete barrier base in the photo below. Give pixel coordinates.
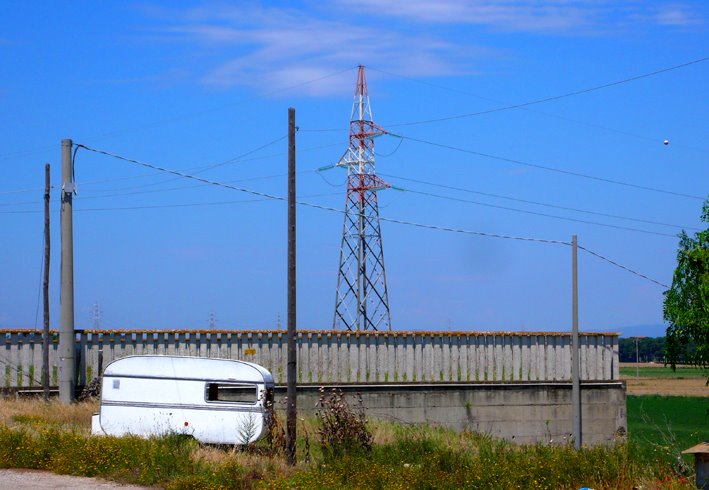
(522, 412)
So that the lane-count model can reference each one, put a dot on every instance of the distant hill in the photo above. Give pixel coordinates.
(657, 330)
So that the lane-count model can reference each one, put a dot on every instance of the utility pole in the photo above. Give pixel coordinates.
(67, 369)
(637, 356)
(291, 413)
(45, 287)
(575, 351)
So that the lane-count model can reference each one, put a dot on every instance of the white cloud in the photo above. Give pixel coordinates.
(271, 49)
(677, 15)
(515, 15)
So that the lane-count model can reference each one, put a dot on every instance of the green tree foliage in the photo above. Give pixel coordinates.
(649, 349)
(686, 305)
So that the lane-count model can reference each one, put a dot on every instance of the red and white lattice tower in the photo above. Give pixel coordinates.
(362, 301)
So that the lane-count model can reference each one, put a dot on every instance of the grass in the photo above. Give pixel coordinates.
(663, 372)
(56, 437)
(664, 426)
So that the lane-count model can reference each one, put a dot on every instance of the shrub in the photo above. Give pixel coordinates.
(342, 429)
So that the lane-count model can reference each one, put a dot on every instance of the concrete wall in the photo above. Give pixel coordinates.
(335, 356)
(520, 412)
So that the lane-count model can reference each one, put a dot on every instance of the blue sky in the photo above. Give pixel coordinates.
(191, 84)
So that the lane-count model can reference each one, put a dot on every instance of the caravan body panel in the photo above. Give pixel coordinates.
(219, 401)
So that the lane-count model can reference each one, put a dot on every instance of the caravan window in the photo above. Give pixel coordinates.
(220, 392)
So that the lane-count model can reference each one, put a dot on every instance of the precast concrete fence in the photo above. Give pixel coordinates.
(332, 357)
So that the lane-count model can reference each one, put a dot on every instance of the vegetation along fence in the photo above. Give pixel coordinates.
(333, 356)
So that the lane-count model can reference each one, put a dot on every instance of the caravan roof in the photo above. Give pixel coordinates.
(180, 367)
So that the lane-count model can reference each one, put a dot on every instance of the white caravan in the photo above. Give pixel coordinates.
(217, 401)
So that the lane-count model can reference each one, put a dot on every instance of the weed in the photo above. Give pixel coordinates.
(275, 439)
(247, 431)
(342, 428)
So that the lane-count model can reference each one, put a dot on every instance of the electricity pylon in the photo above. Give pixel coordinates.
(362, 301)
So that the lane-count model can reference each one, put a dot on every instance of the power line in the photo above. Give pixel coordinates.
(17, 154)
(20, 191)
(450, 198)
(123, 194)
(554, 97)
(525, 104)
(8, 364)
(183, 187)
(622, 266)
(166, 206)
(21, 203)
(196, 204)
(241, 160)
(224, 106)
(538, 203)
(472, 232)
(160, 122)
(181, 174)
(543, 113)
(527, 239)
(390, 220)
(547, 168)
(199, 170)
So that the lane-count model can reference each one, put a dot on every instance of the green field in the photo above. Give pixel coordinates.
(666, 425)
(663, 372)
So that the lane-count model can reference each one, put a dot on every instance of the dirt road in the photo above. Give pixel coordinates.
(30, 479)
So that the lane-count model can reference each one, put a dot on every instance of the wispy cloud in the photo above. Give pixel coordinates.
(272, 48)
(541, 16)
(678, 16)
(515, 15)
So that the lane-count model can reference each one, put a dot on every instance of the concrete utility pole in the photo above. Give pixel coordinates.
(637, 356)
(292, 362)
(67, 369)
(45, 287)
(575, 351)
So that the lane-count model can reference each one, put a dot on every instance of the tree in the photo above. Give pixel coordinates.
(686, 305)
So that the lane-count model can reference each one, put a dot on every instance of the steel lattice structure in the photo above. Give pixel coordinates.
(362, 301)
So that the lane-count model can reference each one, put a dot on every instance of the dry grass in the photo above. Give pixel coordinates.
(683, 382)
(667, 387)
(24, 410)
(215, 457)
(55, 437)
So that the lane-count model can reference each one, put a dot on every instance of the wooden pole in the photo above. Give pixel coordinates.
(45, 287)
(291, 412)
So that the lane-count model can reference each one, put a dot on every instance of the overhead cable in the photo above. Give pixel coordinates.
(554, 97)
(525, 211)
(537, 203)
(223, 106)
(241, 160)
(547, 168)
(390, 220)
(194, 204)
(199, 170)
(622, 266)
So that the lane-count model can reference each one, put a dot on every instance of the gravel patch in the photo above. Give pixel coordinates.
(30, 479)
